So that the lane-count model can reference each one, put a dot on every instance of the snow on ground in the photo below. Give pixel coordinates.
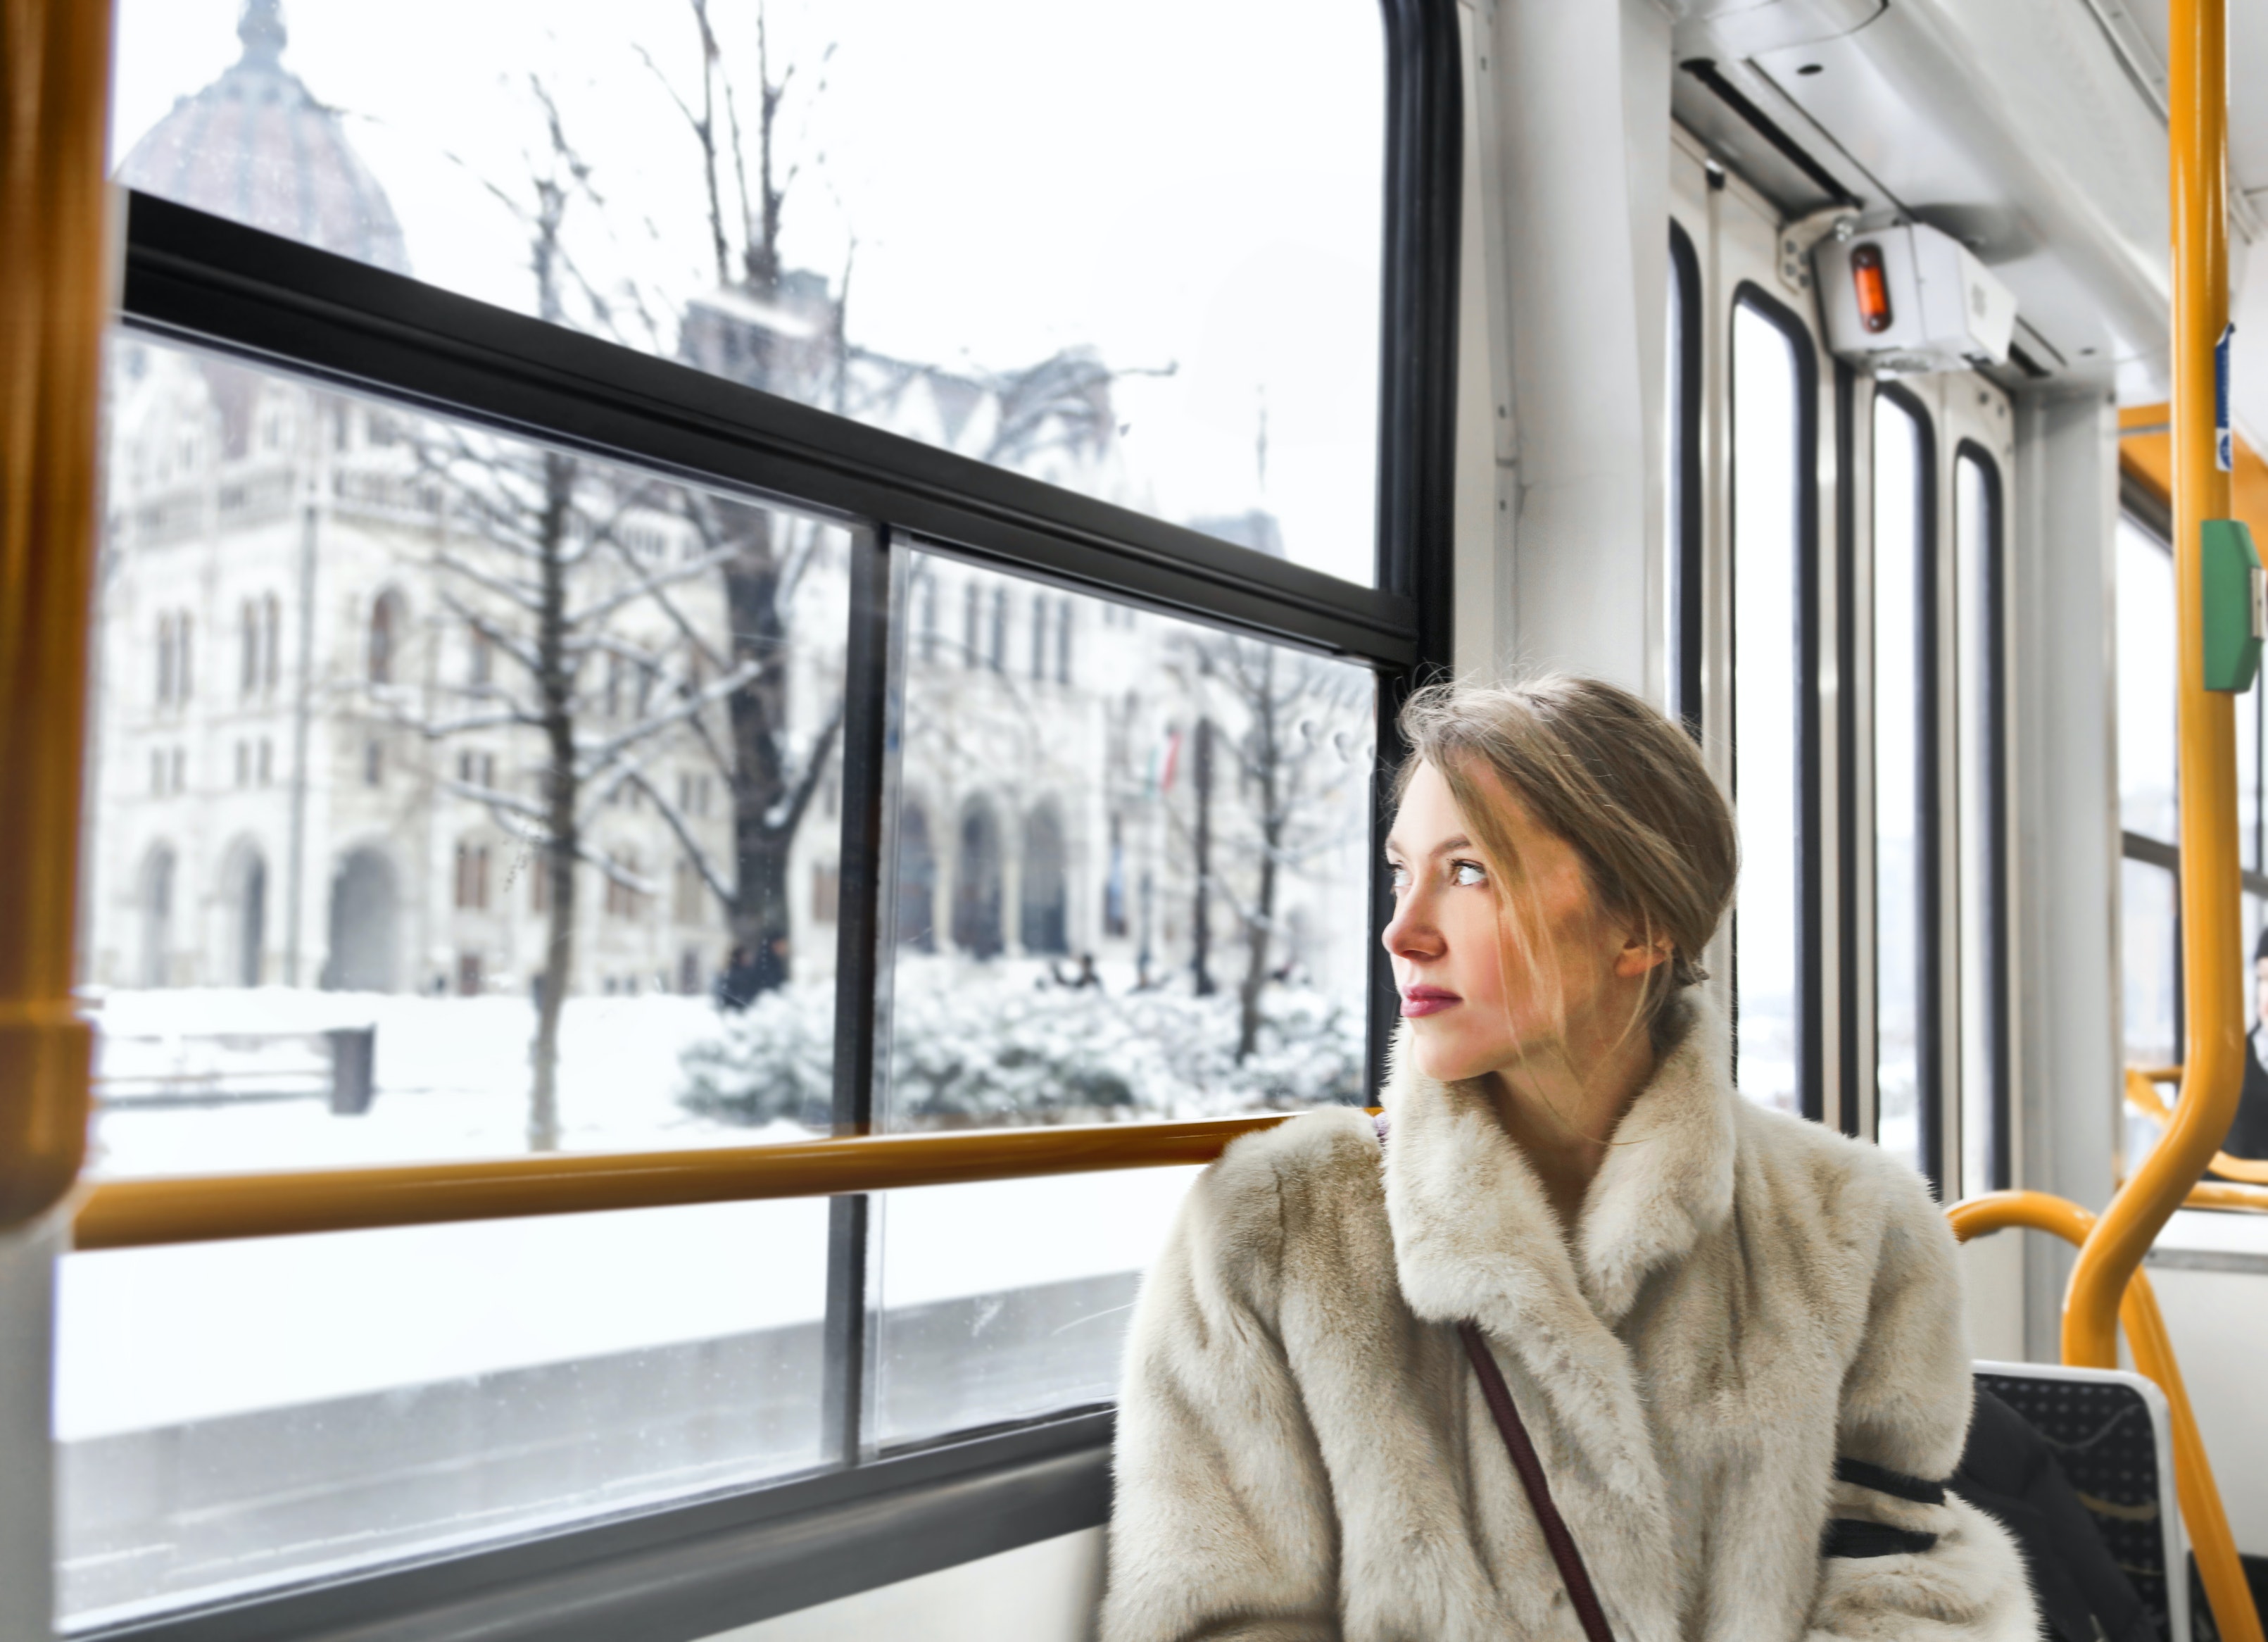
(451, 1079)
(149, 1337)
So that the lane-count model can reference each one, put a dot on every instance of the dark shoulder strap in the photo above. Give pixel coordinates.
(1516, 1443)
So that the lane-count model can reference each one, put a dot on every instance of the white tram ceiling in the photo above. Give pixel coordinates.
(2033, 131)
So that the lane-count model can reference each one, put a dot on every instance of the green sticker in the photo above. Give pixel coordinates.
(2232, 648)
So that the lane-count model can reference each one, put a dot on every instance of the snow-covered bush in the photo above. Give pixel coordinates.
(1003, 1043)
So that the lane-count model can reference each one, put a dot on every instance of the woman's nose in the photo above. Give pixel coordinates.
(1409, 933)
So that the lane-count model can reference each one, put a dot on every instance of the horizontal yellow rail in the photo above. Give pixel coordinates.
(2142, 1094)
(203, 1208)
(2219, 1565)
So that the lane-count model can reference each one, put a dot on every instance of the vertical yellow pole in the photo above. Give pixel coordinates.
(2211, 925)
(54, 83)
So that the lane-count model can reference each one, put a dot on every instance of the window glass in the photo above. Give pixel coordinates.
(528, 714)
(1767, 687)
(236, 1416)
(1133, 888)
(1900, 540)
(1156, 283)
(980, 1321)
(2147, 745)
(2248, 777)
(2150, 964)
(1977, 694)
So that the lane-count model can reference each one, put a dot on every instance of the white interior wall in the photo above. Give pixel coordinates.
(1581, 152)
(28, 1271)
(1041, 1592)
(2063, 789)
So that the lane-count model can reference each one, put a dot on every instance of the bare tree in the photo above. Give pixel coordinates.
(536, 565)
(1285, 711)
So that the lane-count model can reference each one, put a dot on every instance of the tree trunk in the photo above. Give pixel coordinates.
(1201, 910)
(1268, 766)
(556, 679)
(762, 831)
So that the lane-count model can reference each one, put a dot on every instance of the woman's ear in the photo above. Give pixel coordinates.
(1642, 952)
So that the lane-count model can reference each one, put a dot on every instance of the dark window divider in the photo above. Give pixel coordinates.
(210, 282)
(1852, 1067)
(1998, 1165)
(1687, 517)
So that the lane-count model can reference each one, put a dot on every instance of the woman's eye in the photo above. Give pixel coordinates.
(1397, 874)
(1467, 873)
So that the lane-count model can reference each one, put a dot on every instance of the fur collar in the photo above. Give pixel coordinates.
(1475, 1237)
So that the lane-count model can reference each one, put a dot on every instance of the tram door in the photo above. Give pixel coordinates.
(1751, 614)
(1834, 635)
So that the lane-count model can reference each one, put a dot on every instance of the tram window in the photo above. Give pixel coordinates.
(236, 1416)
(338, 904)
(1904, 942)
(2146, 676)
(1682, 479)
(1216, 790)
(2149, 915)
(1157, 311)
(1770, 434)
(1982, 856)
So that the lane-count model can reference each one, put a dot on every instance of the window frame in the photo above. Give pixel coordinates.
(1929, 773)
(708, 1563)
(1811, 959)
(1999, 1060)
(1686, 509)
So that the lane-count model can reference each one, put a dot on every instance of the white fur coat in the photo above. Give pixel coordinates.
(1304, 1452)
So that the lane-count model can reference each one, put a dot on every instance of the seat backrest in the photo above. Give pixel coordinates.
(2113, 1436)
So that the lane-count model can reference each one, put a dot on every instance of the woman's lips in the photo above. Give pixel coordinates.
(1427, 1000)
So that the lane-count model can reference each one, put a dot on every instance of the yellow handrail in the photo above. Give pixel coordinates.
(2142, 1095)
(2219, 1568)
(194, 1209)
(55, 83)
(2212, 935)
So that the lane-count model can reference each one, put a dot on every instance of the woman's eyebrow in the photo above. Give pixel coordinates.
(1396, 846)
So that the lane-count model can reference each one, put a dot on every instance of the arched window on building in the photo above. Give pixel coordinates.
(976, 927)
(472, 875)
(247, 639)
(387, 625)
(157, 915)
(245, 890)
(271, 639)
(917, 892)
(1042, 902)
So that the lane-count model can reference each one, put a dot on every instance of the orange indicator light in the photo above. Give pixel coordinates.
(1871, 284)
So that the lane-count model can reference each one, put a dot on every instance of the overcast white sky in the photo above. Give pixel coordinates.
(1192, 183)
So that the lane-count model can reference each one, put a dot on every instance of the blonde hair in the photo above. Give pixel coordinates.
(1624, 786)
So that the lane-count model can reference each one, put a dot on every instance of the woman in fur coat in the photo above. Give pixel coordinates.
(1735, 1338)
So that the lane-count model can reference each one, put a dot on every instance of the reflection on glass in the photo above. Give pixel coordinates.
(1766, 695)
(400, 722)
(1010, 1300)
(2150, 970)
(2248, 779)
(1900, 978)
(2146, 685)
(236, 1416)
(1056, 239)
(1977, 601)
(1134, 887)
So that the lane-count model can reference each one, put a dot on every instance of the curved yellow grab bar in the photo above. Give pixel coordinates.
(2212, 1058)
(2142, 1094)
(53, 113)
(2219, 1566)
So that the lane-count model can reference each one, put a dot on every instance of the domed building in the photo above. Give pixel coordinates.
(256, 146)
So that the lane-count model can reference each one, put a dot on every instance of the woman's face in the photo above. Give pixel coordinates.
(1475, 1003)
